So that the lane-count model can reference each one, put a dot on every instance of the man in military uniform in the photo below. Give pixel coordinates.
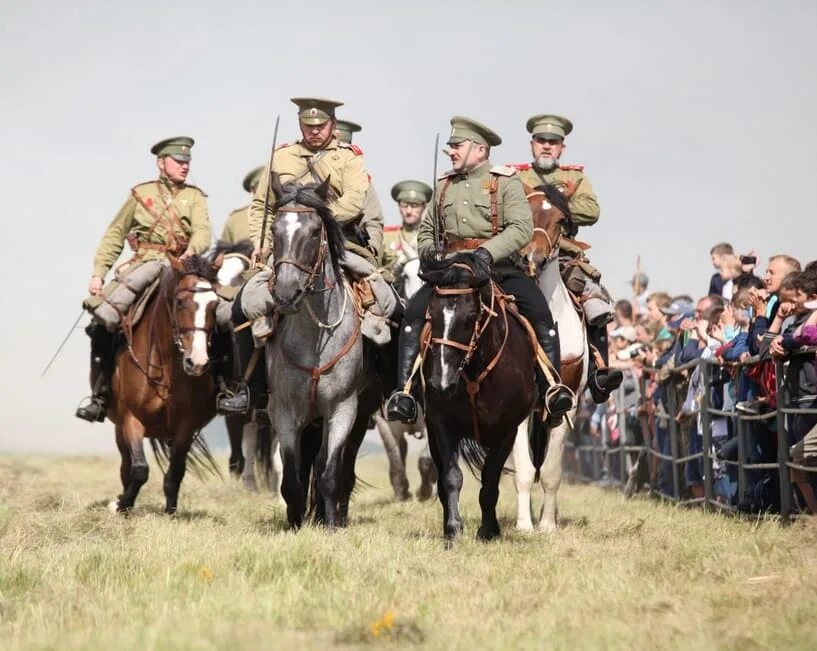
(237, 226)
(316, 157)
(158, 217)
(547, 145)
(484, 210)
(400, 242)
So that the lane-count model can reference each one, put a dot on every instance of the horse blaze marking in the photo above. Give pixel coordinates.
(229, 270)
(448, 318)
(198, 354)
(293, 224)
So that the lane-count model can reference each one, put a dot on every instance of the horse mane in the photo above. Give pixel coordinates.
(454, 270)
(308, 195)
(243, 247)
(200, 265)
(559, 201)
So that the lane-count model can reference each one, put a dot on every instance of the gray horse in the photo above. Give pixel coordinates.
(315, 357)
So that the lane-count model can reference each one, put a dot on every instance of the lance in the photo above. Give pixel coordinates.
(269, 187)
(435, 207)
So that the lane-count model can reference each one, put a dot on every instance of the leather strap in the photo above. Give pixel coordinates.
(492, 189)
(468, 244)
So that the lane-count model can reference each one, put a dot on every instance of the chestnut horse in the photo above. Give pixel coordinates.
(161, 387)
(479, 384)
(550, 212)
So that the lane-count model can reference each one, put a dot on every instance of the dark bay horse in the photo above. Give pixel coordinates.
(162, 389)
(479, 384)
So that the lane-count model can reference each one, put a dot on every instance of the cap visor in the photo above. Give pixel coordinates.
(313, 122)
(181, 158)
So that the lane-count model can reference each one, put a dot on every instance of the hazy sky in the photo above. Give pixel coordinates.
(695, 122)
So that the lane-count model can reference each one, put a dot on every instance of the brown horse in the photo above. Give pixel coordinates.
(161, 387)
(479, 384)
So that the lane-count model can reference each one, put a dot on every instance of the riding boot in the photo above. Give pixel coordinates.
(102, 353)
(601, 380)
(559, 397)
(239, 398)
(402, 405)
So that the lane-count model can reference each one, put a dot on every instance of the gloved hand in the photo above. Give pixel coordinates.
(482, 264)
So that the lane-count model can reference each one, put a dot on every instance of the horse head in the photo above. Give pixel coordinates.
(234, 261)
(189, 292)
(410, 277)
(549, 209)
(304, 235)
(455, 310)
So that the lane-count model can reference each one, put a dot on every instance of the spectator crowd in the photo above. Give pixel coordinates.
(734, 333)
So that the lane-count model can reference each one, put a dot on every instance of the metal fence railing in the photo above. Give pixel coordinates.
(638, 455)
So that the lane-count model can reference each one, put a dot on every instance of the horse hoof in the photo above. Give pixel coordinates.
(423, 495)
(547, 527)
(487, 533)
(251, 486)
(526, 527)
(113, 506)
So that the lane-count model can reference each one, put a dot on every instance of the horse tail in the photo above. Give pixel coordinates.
(474, 456)
(199, 459)
(538, 437)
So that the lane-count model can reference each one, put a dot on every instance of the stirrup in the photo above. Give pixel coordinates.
(612, 380)
(93, 410)
(402, 407)
(559, 400)
(234, 402)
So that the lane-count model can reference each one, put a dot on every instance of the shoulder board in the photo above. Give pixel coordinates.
(445, 175)
(142, 185)
(520, 167)
(286, 144)
(347, 145)
(195, 187)
(577, 168)
(391, 229)
(238, 211)
(502, 170)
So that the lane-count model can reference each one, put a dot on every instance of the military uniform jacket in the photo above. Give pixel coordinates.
(372, 222)
(399, 246)
(465, 202)
(342, 164)
(583, 204)
(151, 212)
(237, 226)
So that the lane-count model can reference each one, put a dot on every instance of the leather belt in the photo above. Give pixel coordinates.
(468, 244)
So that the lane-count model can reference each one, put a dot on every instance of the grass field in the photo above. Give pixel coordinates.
(224, 574)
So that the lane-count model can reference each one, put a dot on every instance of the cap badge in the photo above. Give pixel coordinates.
(313, 112)
(412, 193)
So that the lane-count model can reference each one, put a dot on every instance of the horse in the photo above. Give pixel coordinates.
(250, 436)
(393, 433)
(478, 372)
(550, 210)
(315, 357)
(161, 386)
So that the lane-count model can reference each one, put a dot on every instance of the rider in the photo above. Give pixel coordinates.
(317, 157)
(400, 242)
(483, 210)
(237, 226)
(547, 145)
(159, 217)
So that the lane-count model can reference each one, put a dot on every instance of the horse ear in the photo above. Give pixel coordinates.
(275, 184)
(177, 264)
(323, 189)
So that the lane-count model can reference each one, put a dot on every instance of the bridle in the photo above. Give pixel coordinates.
(553, 244)
(320, 258)
(178, 331)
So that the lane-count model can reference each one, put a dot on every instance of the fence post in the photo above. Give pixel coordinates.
(742, 456)
(622, 435)
(782, 445)
(673, 437)
(706, 430)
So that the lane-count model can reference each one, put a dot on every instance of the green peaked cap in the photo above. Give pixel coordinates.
(178, 148)
(549, 125)
(315, 110)
(250, 181)
(344, 130)
(463, 128)
(411, 192)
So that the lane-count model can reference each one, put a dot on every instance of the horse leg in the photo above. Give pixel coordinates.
(235, 430)
(428, 473)
(397, 465)
(175, 471)
(250, 445)
(350, 450)
(124, 465)
(445, 452)
(489, 493)
(524, 475)
(292, 489)
(133, 434)
(550, 476)
(312, 465)
(276, 470)
(337, 426)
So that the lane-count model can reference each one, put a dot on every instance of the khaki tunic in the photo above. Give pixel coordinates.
(583, 204)
(187, 202)
(341, 163)
(399, 246)
(372, 221)
(237, 226)
(466, 207)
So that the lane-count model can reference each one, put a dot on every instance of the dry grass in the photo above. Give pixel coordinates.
(225, 574)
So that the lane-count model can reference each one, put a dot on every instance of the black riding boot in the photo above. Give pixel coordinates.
(95, 409)
(560, 399)
(239, 398)
(601, 381)
(402, 406)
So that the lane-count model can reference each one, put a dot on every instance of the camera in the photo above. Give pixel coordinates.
(631, 351)
(748, 259)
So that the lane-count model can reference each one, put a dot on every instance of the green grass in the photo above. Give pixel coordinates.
(225, 574)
